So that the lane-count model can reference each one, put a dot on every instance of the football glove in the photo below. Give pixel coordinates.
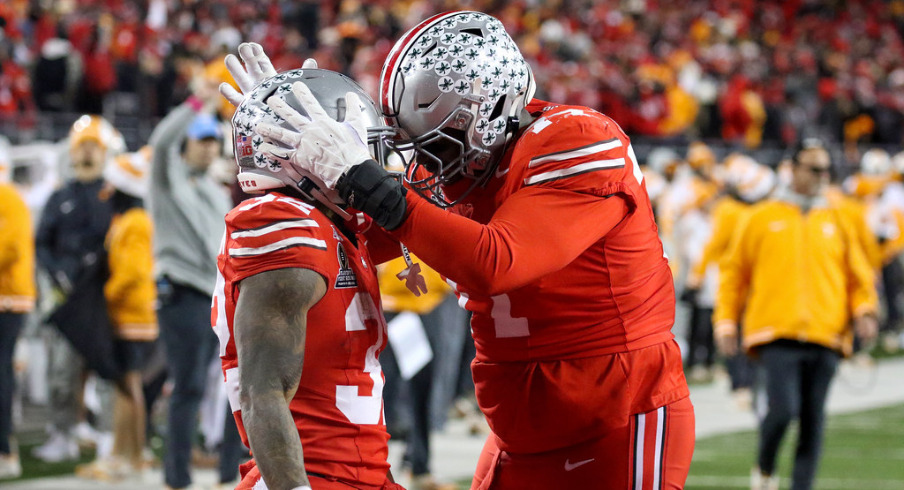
(320, 145)
(337, 154)
(257, 68)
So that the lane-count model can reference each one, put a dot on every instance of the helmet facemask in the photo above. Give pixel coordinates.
(442, 158)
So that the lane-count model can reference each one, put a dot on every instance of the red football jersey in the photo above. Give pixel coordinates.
(338, 407)
(617, 294)
(559, 270)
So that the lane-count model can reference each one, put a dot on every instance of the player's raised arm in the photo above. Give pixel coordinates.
(270, 326)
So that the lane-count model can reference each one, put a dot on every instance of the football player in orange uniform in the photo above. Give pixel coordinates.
(296, 311)
(540, 217)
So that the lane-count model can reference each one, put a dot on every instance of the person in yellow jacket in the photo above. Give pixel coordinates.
(131, 293)
(796, 271)
(423, 399)
(17, 299)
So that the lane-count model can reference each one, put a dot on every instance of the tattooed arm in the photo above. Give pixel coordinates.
(270, 326)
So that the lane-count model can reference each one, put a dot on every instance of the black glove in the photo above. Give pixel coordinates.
(369, 188)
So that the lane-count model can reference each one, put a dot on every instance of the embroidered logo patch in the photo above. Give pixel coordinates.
(345, 279)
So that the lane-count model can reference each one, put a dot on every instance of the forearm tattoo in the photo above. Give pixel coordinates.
(270, 326)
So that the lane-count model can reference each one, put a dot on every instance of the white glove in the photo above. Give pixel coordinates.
(256, 69)
(321, 145)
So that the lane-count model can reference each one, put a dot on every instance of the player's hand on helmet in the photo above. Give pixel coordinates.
(319, 145)
(257, 68)
(336, 154)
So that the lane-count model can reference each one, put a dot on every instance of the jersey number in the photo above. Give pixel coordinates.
(363, 409)
(505, 325)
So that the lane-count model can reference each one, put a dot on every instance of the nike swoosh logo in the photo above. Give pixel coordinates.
(570, 466)
(500, 173)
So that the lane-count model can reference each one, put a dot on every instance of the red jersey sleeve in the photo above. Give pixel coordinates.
(275, 232)
(382, 246)
(574, 149)
(567, 187)
(517, 246)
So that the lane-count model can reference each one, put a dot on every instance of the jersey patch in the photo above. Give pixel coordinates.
(345, 278)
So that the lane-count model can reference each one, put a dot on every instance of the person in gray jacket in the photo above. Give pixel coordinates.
(187, 207)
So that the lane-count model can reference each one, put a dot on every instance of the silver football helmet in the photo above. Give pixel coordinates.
(454, 86)
(257, 171)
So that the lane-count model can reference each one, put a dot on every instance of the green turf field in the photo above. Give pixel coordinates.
(864, 450)
(35, 468)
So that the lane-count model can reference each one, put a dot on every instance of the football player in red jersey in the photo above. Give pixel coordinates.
(543, 222)
(296, 309)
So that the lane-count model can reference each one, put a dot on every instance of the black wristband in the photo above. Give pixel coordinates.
(369, 188)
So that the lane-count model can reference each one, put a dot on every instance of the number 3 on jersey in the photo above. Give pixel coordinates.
(363, 410)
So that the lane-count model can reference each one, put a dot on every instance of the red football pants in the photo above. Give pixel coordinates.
(653, 452)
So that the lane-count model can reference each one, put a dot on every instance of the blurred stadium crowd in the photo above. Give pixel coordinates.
(749, 78)
(745, 72)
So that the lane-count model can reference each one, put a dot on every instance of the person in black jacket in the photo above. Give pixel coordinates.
(69, 239)
(57, 74)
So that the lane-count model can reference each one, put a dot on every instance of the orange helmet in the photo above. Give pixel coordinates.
(750, 180)
(97, 129)
(700, 156)
(876, 162)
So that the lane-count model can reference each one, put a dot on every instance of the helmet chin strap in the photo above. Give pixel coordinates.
(321, 197)
(310, 188)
